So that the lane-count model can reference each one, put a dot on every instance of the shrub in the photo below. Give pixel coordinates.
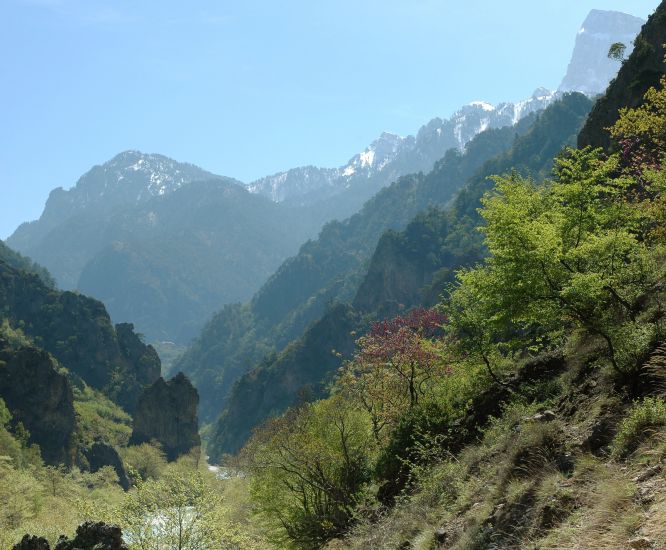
(644, 416)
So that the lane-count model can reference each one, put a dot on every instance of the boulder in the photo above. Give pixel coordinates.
(31, 542)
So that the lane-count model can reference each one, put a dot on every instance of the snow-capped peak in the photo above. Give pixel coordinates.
(133, 176)
(376, 156)
(484, 105)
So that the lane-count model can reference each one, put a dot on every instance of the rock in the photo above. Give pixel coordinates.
(640, 543)
(143, 358)
(637, 74)
(545, 416)
(590, 70)
(647, 474)
(441, 536)
(77, 331)
(601, 433)
(40, 398)
(30, 542)
(94, 536)
(102, 454)
(167, 413)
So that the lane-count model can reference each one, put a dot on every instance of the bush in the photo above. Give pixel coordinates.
(644, 416)
(420, 433)
(146, 461)
(309, 471)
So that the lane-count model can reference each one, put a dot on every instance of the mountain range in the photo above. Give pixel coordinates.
(166, 244)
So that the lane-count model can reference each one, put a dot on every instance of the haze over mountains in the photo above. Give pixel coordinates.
(165, 254)
(455, 340)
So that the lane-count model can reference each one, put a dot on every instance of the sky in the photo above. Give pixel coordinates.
(249, 88)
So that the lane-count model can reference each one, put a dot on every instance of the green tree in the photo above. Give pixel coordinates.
(309, 469)
(568, 254)
(617, 51)
(178, 511)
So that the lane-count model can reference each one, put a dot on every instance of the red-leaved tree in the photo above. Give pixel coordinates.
(395, 365)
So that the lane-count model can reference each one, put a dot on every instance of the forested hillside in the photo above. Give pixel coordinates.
(474, 360)
(525, 410)
(451, 241)
(326, 269)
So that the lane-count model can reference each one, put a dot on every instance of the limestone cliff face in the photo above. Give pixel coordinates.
(41, 399)
(141, 366)
(143, 357)
(167, 413)
(590, 70)
(642, 70)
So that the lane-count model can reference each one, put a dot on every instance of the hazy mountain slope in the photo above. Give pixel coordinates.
(124, 181)
(158, 246)
(169, 262)
(18, 261)
(590, 70)
(642, 70)
(326, 269)
(420, 260)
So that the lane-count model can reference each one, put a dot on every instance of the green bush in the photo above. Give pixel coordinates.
(419, 433)
(644, 416)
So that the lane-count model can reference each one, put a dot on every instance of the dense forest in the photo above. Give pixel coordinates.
(476, 359)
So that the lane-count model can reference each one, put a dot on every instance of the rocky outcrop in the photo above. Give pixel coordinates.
(78, 332)
(642, 70)
(40, 398)
(97, 536)
(89, 536)
(143, 357)
(590, 70)
(167, 413)
(141, 366)
(101, 454)
(31, 542)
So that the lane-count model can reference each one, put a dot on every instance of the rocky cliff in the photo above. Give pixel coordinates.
(40, 398)
(167, 413)
(590, 70)
(641, 71)
(78, 332)
(101, 454)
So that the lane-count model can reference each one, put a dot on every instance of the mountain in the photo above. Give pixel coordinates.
(161, 246)
(169, 263)
(326, 269)
(126, 180)
(166, 244)
(590, 70)
(642, 70)
(391, 156)
(407, 269)
(18, 261)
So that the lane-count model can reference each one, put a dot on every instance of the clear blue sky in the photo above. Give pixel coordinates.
(251, 87)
